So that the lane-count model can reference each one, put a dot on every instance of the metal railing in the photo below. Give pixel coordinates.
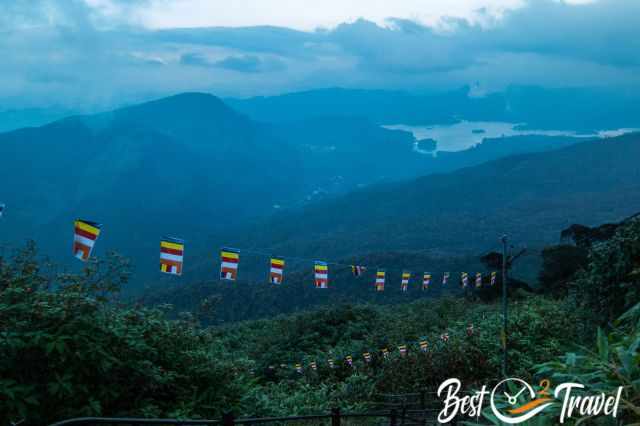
(335, 418)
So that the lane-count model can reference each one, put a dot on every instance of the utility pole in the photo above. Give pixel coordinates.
(504, 305)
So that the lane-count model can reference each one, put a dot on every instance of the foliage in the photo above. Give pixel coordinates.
(68, 351)
(610, 284)
(559, 264)
(613, 362)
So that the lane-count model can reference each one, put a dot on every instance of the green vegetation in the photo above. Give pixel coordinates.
(70, 348)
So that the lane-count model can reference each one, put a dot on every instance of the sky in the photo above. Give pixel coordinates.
(102, 53)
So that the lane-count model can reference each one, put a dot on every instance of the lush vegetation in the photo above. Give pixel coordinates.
(71, 348)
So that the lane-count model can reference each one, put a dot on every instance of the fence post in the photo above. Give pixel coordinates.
(335, 416)
(228, 419)
(393, 417)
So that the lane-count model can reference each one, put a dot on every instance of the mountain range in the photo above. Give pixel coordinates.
(190, 166)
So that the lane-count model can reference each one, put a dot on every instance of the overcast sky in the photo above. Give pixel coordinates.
(102, 53)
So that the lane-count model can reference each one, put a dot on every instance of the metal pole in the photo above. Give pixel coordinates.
(504, 305)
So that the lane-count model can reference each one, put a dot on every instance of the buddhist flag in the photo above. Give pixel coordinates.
(321, 270)
(380, 280)
(349, 360)
(426, 281)
(465, 279)
(493, 278)
(402, 349)
(171, 255)
(313, 365)
(332, 363)
(85, 236)
(406, 276)
(229, 264)
(385, 353)
(357, 270)
(478, 279)
(2, 206)
(367, 357)
(445, 278)
(424, 345)
(299, 368)
(276, 274)
(444, 337)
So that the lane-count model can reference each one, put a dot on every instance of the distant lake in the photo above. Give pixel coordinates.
(465, 134)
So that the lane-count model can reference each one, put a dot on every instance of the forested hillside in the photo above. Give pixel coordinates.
(72, 350)
(528, 197)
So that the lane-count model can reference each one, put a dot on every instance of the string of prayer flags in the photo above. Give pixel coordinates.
(321, 270)
(445, 278)
(367, 357)
(478, 279)
(426, 281)
(423, 345)
(276, 273)
(406, 276)
(357, 270)
(84, 238)
(402, 349)
(493, 278)
(380, 275)
(229, 264)
(171, 255)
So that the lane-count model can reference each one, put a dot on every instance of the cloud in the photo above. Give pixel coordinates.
(86, 54)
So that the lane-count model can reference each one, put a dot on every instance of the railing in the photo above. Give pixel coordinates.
(335, 418)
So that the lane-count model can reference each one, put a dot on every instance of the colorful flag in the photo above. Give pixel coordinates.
(313, 365)
(380, 280)
(229, 264)
(445, 278)
(276, 274)
(331, 363)
(171, 255)
(493, 278)
(470, 330)
(426, 281)
(465, 279)
(444, 337)
(403, 350)
(424, 345)
(478, 279)
(357, 270)
(406, 276)
(299, 368)
(321, 270)
(367, 357)
(385, 353)
(349, 360)
(85, 236)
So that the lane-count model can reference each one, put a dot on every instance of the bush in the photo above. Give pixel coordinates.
(68, 351)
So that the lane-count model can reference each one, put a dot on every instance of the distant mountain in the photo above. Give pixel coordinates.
(11, 119)
(578, 109)
(531, 197)
(189, 166)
